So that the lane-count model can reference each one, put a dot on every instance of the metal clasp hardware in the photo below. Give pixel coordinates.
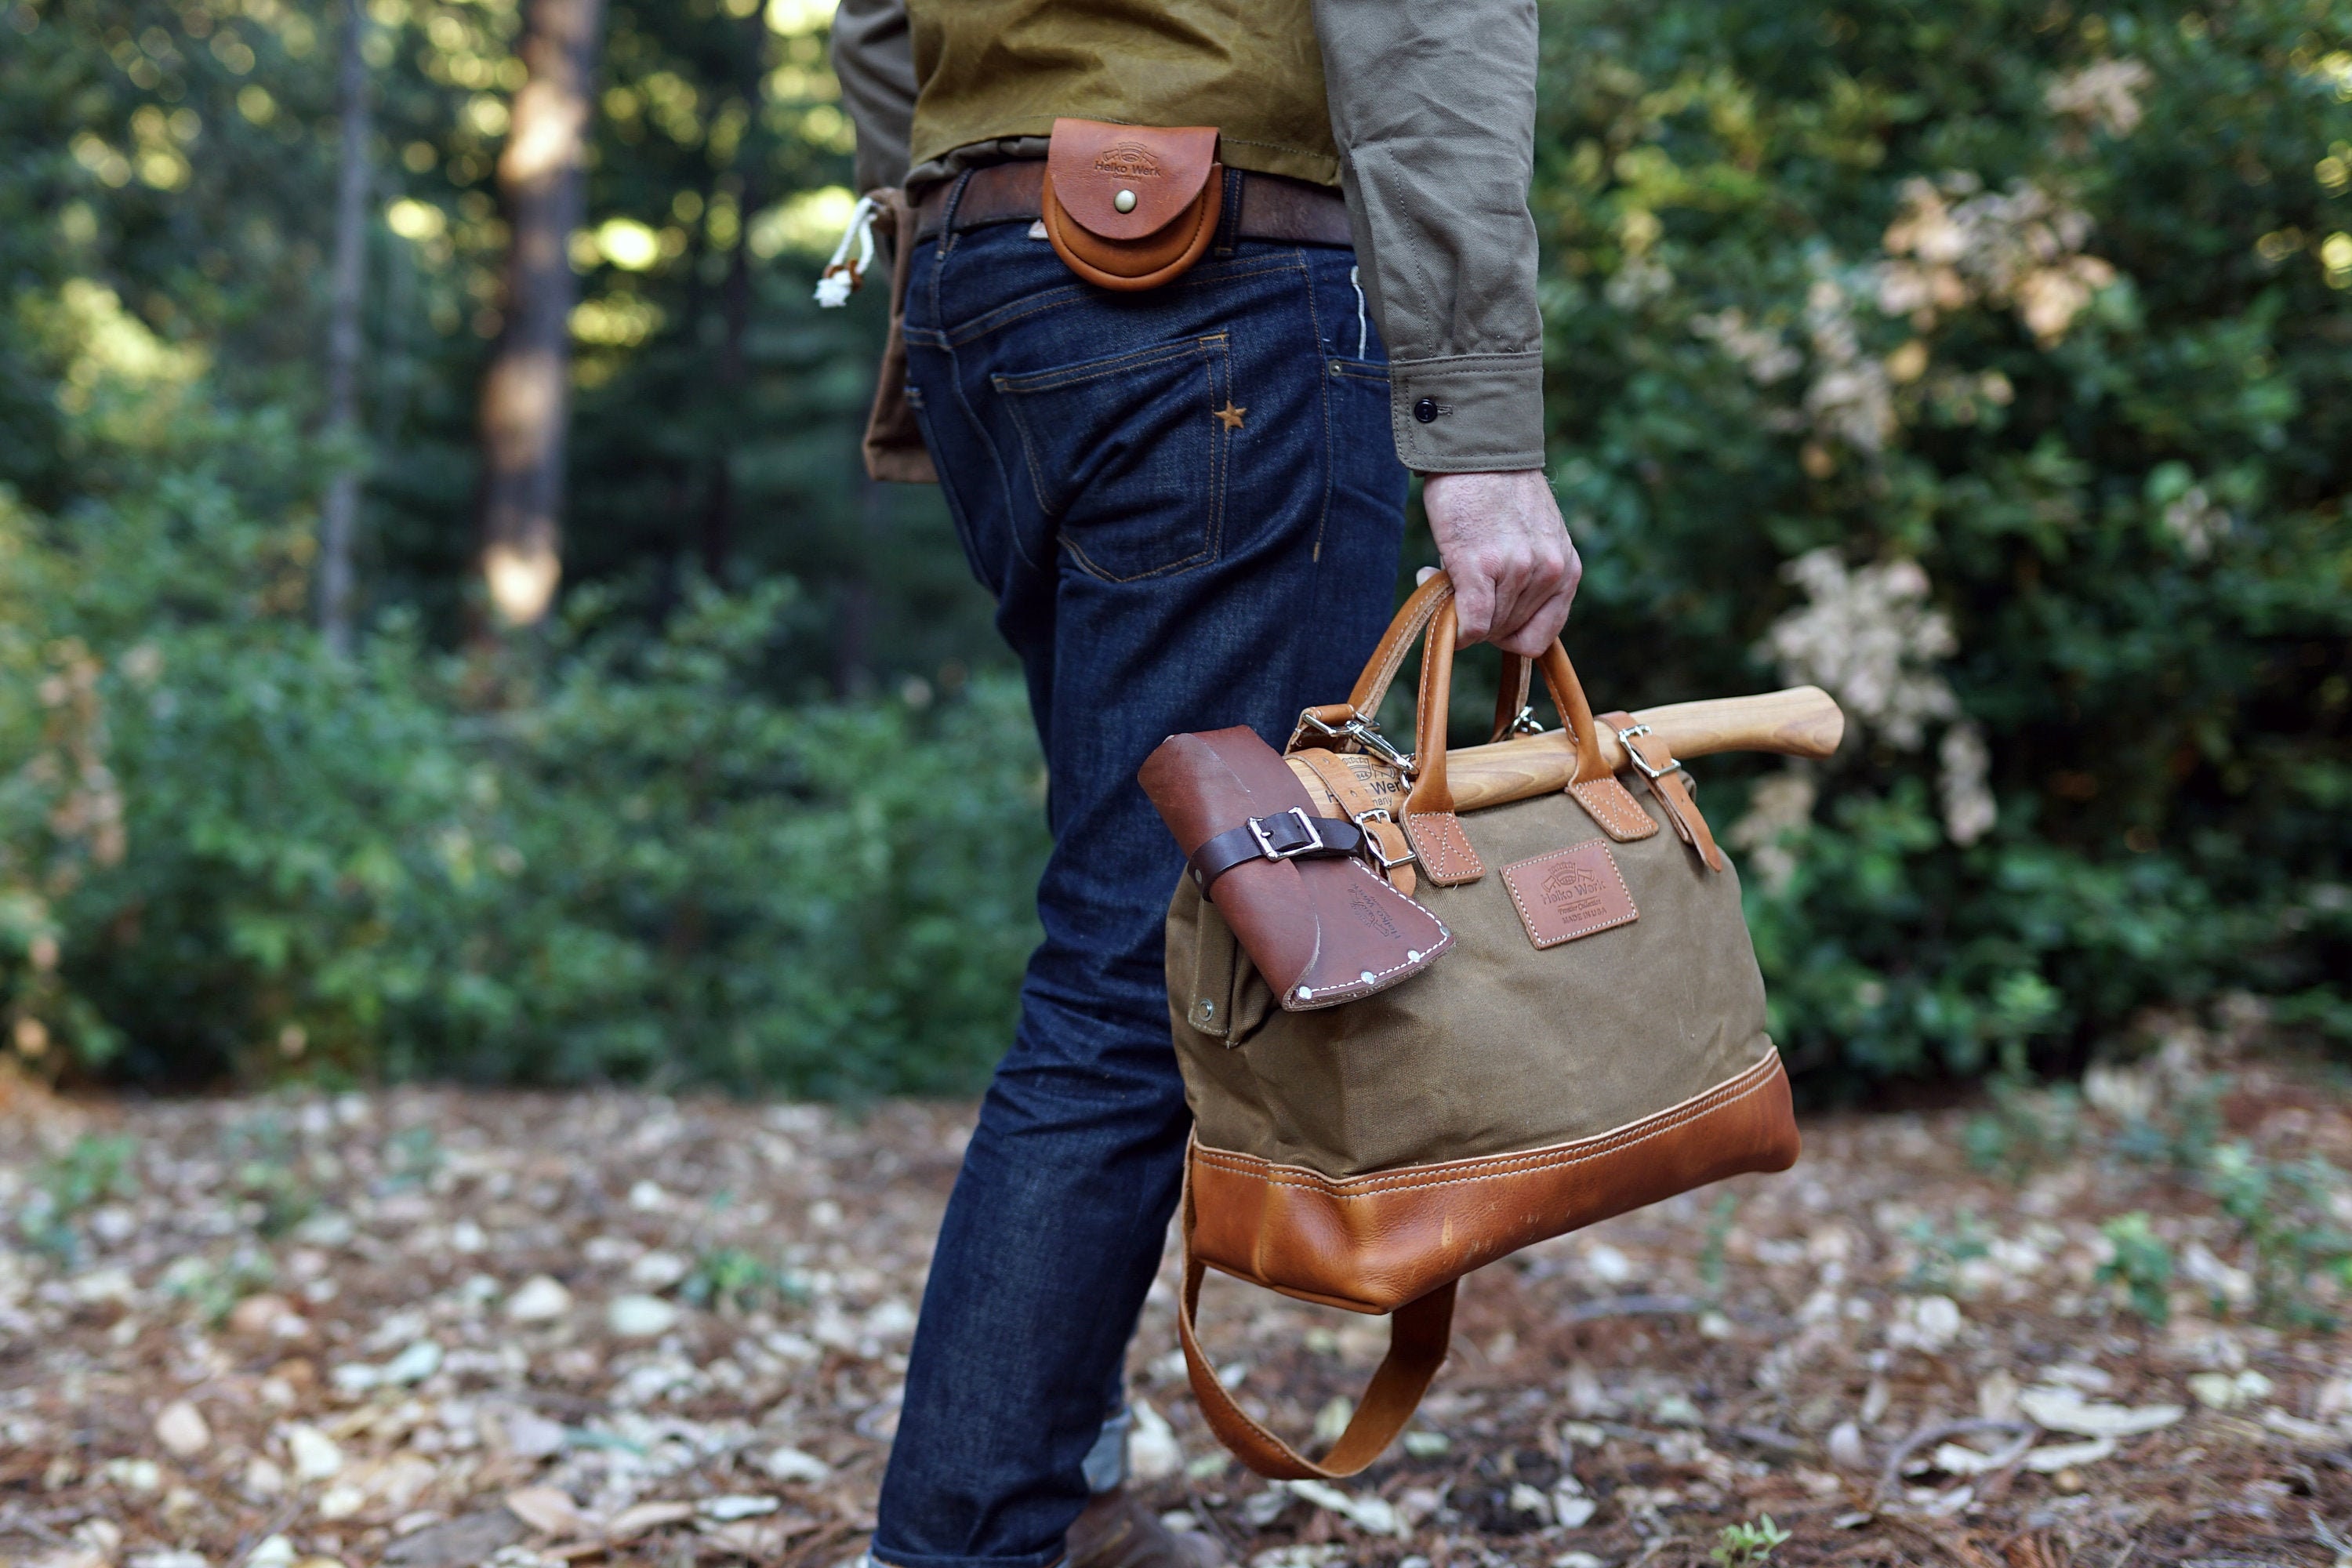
(1526, 723)
(1363, 731)
(1291, 847)
(1642, 763)
(1372, 849)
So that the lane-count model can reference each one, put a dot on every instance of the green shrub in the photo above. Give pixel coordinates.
(223, 849)
(1983, 361)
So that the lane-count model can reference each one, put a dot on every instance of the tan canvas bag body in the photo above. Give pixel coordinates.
(1574, 1025)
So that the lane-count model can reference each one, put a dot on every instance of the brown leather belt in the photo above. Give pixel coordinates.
(1273, 207)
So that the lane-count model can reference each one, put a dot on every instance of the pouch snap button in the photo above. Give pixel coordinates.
(1124, 201)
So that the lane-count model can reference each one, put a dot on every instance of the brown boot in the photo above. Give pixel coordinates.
(1118, 1531)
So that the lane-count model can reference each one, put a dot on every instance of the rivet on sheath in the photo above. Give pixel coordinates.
(1305, 994)
(1366, 977)
(1412, 955)
(1208, 1008)
(1124, 201)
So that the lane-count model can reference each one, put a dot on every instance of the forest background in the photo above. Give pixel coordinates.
(1986, 362)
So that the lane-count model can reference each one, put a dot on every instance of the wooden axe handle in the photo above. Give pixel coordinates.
(1803, 722)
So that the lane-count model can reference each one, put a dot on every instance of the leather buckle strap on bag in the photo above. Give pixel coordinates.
(1289, 835)
(1670, 784)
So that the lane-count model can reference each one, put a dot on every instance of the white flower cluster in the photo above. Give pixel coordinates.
(1779, 805)
(1761, 352)
(1954, 244)
(1869, 637)
(2105, 93)
(1851, 399)
(2196, 523)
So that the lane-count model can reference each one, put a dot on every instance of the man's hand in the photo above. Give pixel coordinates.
(1514, 568)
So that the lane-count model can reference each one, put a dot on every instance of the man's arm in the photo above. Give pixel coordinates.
(875, 61)
(1433, 109)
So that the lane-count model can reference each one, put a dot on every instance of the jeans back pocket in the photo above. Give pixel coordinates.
(1128, 455)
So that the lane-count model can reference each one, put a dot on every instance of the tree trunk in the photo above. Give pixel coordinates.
(735, 320)
(339, 524)
(526, 395)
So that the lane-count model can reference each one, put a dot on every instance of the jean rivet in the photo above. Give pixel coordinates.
(1334, 368)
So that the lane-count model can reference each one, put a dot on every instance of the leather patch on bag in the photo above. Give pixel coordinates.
(1612, 805)
(1131, 206)
(1569, 893)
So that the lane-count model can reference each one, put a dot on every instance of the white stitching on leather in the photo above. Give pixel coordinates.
(1356, 988)
(1611, 813)
(1580, 1151)
(1530, 919)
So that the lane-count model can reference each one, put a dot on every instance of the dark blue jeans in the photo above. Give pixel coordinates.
(1189, 508)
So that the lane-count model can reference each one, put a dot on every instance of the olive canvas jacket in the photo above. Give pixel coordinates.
(1422, 112)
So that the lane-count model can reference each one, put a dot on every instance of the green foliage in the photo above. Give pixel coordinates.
(229, 851)
(1719, 1216)
(1980, 360)
(732, 1278)
(92, 1168)
(213, 1288)
(2142, 1265)
(2285, 1213)
(2181, 1132)
(2027, 1125)
(1937, 1254)
(1749, 1544)
(2013, 336)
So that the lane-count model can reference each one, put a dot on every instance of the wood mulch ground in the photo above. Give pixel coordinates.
(439, 1327)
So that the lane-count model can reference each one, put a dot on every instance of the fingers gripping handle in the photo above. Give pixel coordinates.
(1418, 1335)
(1431, 791)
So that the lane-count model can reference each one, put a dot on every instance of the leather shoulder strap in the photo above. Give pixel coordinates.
(1419, 1334)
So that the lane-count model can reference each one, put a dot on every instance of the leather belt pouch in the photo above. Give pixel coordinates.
(1131, 206)
(1322, 930)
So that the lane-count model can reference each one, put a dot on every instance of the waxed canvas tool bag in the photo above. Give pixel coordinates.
(1563, 1021)
(1131, 206)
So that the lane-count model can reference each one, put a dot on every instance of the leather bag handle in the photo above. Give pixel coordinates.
(1379, 672)
(1430, 792)
(1419, 1332)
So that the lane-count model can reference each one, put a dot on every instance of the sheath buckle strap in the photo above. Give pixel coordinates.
(1278, 839)
(1643, 764)
(1290, 834)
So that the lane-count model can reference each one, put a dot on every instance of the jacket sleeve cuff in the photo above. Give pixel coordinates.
(1468, 413)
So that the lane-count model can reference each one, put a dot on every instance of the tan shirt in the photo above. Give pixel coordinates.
(1421, 110)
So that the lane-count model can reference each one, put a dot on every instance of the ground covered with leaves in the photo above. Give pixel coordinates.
(433, 1327)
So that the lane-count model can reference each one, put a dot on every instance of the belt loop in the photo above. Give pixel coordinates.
(1229, 220)
(947, 212)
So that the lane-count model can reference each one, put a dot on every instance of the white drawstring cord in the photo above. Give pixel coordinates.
(1357, 284)
(842, 276)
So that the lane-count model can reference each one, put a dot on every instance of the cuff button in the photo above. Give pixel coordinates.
(1425, 410)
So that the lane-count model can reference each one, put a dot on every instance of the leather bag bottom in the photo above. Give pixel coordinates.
(1372, 1242)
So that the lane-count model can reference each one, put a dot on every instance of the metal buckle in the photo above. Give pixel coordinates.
(1290, 851)
(1642, 763)
(1373, 850)
(1526, 723)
